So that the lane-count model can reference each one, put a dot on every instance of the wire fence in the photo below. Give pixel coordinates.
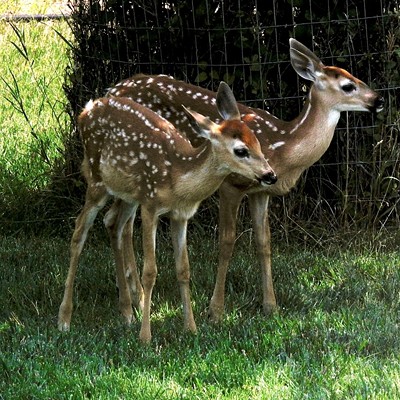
(356, 183)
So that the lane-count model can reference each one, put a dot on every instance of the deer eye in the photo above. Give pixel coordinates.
(348, 87)
(241, 152)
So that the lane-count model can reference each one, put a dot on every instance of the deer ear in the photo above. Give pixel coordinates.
(226, 103)
(202, 125)
(304, 61)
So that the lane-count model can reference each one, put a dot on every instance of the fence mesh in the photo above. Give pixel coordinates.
(246, 43)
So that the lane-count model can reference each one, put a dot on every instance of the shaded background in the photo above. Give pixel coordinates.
(355, 186)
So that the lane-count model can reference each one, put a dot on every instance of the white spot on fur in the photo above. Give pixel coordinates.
(275, 145)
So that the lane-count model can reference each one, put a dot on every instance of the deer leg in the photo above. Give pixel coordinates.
(230, 199)
(149, 226)
(129, 260)
(178, 234)
(95, 201)
(115, 221)
(131, 271)
(110, 219)
(258, 203)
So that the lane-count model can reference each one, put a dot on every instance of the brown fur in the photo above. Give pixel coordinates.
(137, 157)
(290, 147)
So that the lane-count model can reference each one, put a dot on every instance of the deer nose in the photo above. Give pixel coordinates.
(378, 104)
(269, 178)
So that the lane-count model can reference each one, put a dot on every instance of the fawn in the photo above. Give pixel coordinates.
(138, 158)
(290, 147)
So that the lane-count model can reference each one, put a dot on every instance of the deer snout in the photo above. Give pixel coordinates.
(378, 104)
(268, 179)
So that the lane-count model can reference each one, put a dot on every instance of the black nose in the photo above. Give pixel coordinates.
(270, 178)
(378, 105)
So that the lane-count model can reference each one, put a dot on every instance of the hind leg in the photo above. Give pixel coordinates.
(120, 214)
(95, 200)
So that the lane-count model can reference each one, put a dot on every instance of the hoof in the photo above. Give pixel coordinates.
(129, 319)
(145, 338)
(270, 309)
(191, 329)
(63, 326)
(215, 316)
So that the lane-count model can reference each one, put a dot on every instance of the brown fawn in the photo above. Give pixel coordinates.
(138, 158)
(289, 146)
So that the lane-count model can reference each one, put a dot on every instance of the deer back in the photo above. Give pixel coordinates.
(139, 156)
(290, 146)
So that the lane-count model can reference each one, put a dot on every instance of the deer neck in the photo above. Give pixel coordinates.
(198, 173)
(292, 147)
(309, 135)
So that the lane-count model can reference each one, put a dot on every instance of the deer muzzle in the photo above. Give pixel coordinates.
(378, 104)
(268, 179)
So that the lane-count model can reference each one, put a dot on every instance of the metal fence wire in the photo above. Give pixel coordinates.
(246, 43)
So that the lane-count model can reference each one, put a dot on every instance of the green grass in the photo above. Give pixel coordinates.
(32, 102)
(335, 337)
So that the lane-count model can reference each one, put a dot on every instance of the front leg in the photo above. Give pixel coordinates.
(149, 227)
(178, 234)
(258, 204)
(229, 202)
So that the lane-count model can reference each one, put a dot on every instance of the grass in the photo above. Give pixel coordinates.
(32, 102)
(335, 337)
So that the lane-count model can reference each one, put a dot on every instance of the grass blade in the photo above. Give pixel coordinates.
(21, 46)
